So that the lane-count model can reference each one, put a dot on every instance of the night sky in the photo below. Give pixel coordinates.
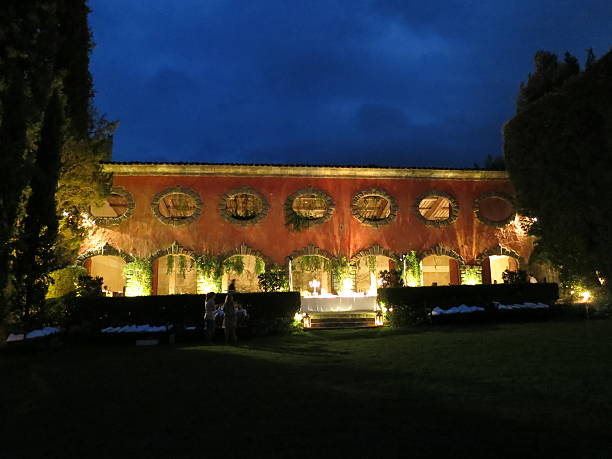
(349, 82)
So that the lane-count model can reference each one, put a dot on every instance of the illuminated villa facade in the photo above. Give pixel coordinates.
(456, 226)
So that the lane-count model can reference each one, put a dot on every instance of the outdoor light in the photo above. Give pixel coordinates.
(314, 284)
(586, 295)
(379, 320)
(306, 320)
(347, 286)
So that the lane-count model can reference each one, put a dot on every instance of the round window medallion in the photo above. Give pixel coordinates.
(116, 208)
(494, 208)
(243, 206)
(308, 207)
(436, 208)
(177, 206)
(374, 207)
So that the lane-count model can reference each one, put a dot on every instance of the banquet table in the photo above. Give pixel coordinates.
(333, 303)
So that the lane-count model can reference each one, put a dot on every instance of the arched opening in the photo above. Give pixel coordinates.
(498, 264)
(367, 278)
(311, 274)
(245, 269)
(176, 274)
(439, 270)
(110, 269)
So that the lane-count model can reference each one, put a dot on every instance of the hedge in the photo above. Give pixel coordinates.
(176, 309)
(412, 305)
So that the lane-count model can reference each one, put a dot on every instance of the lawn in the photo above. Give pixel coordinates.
(510, 390)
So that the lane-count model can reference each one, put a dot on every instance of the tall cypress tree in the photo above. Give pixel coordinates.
(49, 136)
(558, 151)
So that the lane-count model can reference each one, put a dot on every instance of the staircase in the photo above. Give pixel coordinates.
(331, 320)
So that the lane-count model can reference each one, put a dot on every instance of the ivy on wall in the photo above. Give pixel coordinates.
(260, 266)
(297, 222)
(311, 263)
(471, 274)
(341, 268)
(209, 273)
(234, 264)
(138, 275)
(412, 272)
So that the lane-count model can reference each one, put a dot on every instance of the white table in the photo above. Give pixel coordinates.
(338, 303)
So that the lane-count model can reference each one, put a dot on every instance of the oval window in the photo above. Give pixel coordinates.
(310, 206)
(373, 208)
(244, 206)
(177, 206)
(435, 208)
(114, 206)
(495, 209)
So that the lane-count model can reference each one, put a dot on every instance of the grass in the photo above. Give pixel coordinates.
(512, 390)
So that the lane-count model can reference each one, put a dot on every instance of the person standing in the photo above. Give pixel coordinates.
(209, 316)
(229, 320)
(231, 288)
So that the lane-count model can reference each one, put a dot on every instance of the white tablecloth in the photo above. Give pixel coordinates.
(338, 304)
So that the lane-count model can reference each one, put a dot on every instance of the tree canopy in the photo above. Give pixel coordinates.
(51, 144)
(558, 152)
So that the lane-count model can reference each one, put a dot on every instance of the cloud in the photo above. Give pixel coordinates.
(406, 82)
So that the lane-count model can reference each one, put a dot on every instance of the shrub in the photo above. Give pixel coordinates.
(176, 309)
(65, 280)
(412, 305)
(274, 280)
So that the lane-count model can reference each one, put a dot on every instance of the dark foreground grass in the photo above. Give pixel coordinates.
(515, 390)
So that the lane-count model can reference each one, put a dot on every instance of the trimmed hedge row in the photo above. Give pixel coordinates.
(412, 305)
(176, 309)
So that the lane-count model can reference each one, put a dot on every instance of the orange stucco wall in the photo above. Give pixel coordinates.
(143, 234)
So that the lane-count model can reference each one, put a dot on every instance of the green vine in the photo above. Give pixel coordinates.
(169, 264)
(138, 275)
(412, 275)
(297, 222)
(260, 266)
(372, 263)
(234, 264)
(182, 267)
(311, 263)
(209, 267)
(341, 268)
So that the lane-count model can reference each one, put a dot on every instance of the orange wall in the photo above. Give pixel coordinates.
(143, 234)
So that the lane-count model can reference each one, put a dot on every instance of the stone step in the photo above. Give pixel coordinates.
(342, 321)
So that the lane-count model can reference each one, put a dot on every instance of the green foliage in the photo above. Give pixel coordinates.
(391, 278)
(412, 274)
(514, 277)
(208, 266)
(471, 275)
(65, 280)
(169, 264)
(46, 116)
(550, 75)
(341, 268)
(138, 275)
(311, 263)
(297, 222)
(89, 287)
(411, 306)
(275, 279)
(234, 264)
(558, 151)
(260, 266)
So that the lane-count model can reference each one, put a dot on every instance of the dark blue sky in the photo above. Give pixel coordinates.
(388, 82)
